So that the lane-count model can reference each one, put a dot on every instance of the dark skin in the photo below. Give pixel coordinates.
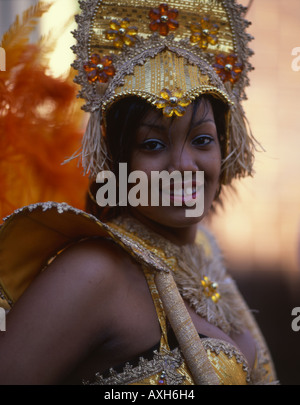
(187, 144)
(92, 309)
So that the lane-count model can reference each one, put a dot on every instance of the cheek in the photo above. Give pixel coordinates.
(212, 172)
(212, 167)
(145, 163)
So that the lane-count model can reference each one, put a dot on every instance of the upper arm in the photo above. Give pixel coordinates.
(61, 316)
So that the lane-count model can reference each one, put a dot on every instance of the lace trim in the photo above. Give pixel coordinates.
(49, 205)
(217, 346)
(168, 362)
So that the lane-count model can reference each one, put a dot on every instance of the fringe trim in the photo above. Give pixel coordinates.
(242, 146)
(93, 152)
(194, 265)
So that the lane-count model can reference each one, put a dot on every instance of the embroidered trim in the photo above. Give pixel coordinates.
(217, 346)
(168, 362)
(45, 206)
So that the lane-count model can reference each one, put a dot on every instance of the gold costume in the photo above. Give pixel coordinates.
(168, 55)
(198, 272)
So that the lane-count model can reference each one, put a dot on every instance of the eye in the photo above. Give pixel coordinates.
(202, 140)
(152, 145)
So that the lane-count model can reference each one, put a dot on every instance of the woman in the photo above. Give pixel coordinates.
(136, 287)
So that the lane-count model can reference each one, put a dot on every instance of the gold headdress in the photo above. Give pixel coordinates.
(167, 54)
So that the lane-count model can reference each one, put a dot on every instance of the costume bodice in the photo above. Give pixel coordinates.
(199, 278)
(167, 365)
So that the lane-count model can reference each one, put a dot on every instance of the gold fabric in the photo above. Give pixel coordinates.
(168, 71)
(229, 369)
(53, 227)
(31, 236)
(137, 11)
(164, 345)
(146, 77)
(230, 314)
(185, 331)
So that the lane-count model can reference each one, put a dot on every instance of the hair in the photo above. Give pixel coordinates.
(122, 122)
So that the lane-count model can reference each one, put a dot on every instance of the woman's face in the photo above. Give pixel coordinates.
(186, 144)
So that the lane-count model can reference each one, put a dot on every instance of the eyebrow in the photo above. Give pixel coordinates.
(202, 121)
(162, 128)
(153, 126)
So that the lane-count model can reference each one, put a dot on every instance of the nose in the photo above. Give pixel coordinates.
(182, 158)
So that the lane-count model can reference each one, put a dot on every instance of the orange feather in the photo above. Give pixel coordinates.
(40, 126)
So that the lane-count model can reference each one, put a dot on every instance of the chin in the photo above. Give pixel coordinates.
(170, 217)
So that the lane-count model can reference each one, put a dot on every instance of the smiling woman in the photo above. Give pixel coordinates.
(152, 144)
(139, 295)
(186, 144)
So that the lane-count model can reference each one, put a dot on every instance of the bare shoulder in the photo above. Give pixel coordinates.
(86, 271)
(98, 258)
(64, 314)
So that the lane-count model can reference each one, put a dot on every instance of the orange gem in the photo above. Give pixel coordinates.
(163, 19)
(163, 9)
(228, 68)
(99, 69)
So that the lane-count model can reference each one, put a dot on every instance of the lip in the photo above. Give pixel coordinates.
(183, 192)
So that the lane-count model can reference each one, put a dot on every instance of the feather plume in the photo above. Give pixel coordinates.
(40, 123)
(14, 40)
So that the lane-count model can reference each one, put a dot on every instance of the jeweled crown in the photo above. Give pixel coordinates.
(168, 54)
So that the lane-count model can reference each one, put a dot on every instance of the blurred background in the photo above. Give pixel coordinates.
(259, 228)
